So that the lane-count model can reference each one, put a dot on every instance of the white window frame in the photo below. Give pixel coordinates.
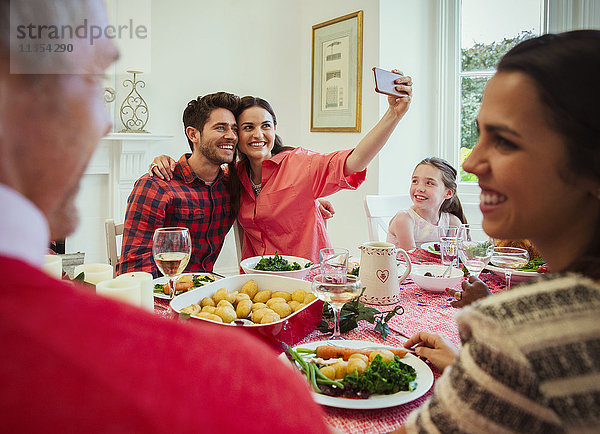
(557, 16)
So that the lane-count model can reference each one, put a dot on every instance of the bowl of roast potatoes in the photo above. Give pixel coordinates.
(270, 306)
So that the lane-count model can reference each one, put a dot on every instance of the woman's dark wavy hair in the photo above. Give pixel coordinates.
(236, 185)
(564, 68)
(451, 205)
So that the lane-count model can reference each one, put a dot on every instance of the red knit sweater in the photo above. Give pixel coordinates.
(71, 361)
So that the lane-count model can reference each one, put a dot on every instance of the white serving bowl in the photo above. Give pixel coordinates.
(435, 284)
(248, 265)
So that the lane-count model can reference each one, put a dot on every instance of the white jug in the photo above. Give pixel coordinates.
(379, 272)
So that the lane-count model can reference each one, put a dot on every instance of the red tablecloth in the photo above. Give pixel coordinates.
(423, 311)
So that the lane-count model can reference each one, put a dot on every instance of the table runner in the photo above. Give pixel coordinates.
(423, 311)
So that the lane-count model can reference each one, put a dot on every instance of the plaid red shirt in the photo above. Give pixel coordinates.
(185, 201)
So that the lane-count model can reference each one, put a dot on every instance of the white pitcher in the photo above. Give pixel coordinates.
(379, 272)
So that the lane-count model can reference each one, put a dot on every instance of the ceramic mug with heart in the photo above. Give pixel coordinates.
(379, 272)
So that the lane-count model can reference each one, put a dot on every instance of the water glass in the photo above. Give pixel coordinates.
(334, 264)
(448, 245)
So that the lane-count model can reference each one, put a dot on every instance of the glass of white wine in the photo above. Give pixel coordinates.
(171, 249)
(509, 258)
(475, 248)
(336, 294)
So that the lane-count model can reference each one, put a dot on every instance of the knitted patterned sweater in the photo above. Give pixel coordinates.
(529, 363)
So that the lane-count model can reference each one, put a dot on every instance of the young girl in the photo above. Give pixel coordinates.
(433, 192)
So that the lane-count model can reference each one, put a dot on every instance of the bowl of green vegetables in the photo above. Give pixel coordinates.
(278, 265)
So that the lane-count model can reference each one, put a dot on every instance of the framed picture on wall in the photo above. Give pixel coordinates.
(336, 83)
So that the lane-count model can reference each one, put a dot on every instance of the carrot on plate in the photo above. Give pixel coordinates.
(333, 352)
(183, 286)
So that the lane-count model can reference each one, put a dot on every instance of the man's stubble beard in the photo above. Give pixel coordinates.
(210, 152)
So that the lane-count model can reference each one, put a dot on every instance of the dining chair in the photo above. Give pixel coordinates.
(380, 209)
(112, 231)
(238, 234)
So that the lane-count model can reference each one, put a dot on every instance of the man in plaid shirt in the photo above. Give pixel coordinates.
(197, 195)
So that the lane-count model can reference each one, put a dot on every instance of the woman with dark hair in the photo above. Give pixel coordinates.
(529, 360)
(435, 205)
(279, 186)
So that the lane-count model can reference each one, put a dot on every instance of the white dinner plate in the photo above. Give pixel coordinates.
(517, 276)
(429, 248)
(162, 280)
(424, 381)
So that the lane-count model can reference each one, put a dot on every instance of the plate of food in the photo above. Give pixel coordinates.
(185, 282)
(408, 377)
(532, 270)
(433, 247)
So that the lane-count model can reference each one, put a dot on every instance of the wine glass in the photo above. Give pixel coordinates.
(509, 258)
(475, 248)
(336, 294)
(171, 249)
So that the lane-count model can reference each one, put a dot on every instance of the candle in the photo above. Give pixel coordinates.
(53, 265)
(145, 281)
(94, 273)
(125, 290)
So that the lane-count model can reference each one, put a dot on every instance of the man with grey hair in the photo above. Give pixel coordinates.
(75, 362)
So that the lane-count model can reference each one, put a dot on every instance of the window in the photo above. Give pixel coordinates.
(472, 36)
(488, 29)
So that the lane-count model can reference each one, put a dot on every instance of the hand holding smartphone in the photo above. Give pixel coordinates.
(385, 82)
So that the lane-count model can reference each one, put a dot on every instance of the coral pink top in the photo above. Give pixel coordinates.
(285, 216)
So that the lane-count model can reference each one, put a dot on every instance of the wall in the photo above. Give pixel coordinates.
(396, 34)
(348, 228)
(408, 43)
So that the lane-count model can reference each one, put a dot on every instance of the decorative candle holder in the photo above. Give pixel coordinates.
(134, 110)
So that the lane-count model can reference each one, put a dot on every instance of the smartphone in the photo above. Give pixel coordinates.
(384, 82)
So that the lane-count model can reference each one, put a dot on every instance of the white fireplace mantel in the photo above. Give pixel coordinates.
(119, 160)
(130, 161)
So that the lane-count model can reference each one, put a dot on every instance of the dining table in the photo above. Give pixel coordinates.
(422, 311)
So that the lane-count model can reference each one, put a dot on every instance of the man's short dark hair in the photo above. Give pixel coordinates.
(198, 110)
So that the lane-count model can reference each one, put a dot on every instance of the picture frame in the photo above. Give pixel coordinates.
(336, 80)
